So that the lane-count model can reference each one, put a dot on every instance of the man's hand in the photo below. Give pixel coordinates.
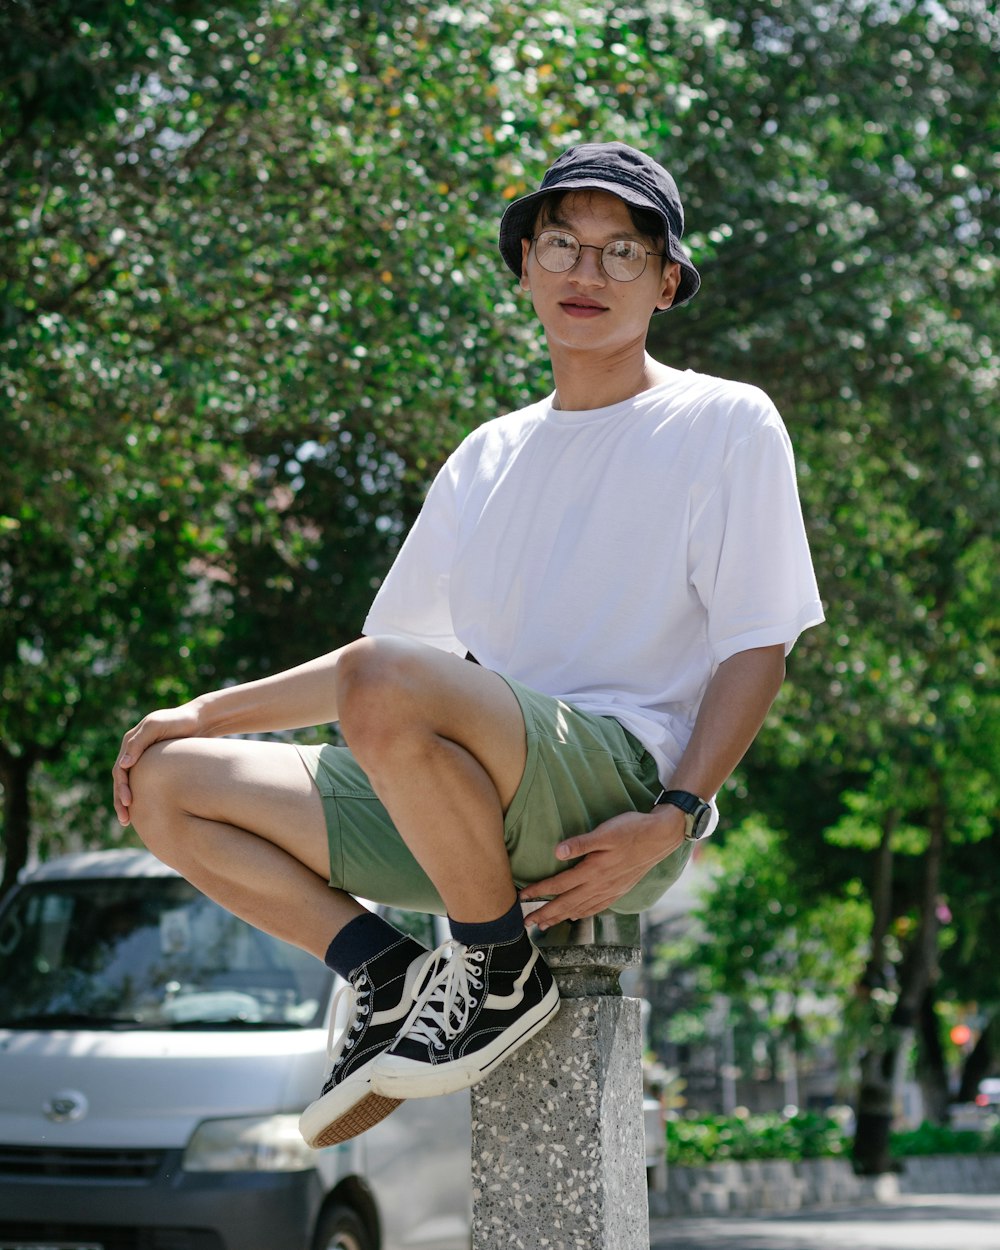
(611, 860)
(172, 722)
(619, 853)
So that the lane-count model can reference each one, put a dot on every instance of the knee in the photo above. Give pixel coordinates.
(155, 781)
(378, 691)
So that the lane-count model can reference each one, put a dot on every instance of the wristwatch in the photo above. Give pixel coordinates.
(697, 813)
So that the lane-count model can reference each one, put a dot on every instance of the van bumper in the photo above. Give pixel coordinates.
(171, 1210)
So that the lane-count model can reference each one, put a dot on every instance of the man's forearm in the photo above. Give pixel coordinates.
(731, 714)
(297, 698)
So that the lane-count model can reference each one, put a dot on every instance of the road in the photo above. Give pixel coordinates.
(909, 1222)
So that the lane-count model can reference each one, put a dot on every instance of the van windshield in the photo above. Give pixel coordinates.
(147, 952)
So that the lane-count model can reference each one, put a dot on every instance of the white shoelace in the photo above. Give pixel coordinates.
(442, 1009)
(357, 1008)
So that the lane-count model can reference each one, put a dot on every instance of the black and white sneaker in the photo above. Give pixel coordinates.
(479, 1005)
(381, 993)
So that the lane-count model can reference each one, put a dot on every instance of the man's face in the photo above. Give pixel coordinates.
(583, 307)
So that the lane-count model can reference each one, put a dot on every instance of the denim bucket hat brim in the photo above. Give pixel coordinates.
(621, 170)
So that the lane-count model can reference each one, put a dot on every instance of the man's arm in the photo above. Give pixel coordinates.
(618, 853)
(298, 697)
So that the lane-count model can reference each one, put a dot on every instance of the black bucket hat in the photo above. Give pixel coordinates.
(631, 175)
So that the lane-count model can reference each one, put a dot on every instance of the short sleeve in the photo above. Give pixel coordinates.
(413, 600)
(749, 560)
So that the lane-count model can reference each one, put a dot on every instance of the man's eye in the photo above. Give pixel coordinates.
(624, 249)
(561, 240)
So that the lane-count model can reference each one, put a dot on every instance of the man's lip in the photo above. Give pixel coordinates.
(582, 308)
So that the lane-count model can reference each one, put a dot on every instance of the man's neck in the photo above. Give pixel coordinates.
(585, 381)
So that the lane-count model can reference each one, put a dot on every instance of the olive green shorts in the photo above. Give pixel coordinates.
(581, 770)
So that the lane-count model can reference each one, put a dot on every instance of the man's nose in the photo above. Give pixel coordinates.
(589, 266)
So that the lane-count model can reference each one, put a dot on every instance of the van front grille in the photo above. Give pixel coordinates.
(109, 1238)
(23, 1161)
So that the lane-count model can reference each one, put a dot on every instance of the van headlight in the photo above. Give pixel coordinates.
(269, 1143)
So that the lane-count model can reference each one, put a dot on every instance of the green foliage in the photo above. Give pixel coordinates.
(790, 959)
(694, 1141)
(250, 297)
(938, 1139)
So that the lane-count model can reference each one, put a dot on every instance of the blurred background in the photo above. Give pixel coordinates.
(251, 298)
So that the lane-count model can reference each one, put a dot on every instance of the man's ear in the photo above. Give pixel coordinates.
(671, 281)
(525, 249)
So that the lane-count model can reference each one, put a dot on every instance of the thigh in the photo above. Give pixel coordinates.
(463, 702)
(368, 858)
(582, 770)
(261, 787)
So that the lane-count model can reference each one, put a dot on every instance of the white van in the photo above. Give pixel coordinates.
(155, 1054)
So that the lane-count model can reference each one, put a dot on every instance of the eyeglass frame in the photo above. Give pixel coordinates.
(594, 247)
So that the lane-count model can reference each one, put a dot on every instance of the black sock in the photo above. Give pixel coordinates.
(504, 929)
(359, 940)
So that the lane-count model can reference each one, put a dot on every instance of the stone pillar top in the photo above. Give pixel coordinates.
(587, 956)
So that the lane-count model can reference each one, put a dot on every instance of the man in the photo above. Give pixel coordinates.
(627, 563)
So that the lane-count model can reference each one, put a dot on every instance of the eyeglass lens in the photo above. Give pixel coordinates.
(622, 259)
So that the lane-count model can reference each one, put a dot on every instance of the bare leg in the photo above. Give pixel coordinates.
(244, 822)
(443, 744)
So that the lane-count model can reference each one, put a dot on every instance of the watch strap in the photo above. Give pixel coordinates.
(695, 809)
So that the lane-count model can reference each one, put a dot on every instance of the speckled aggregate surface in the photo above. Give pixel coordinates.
(558, 1155)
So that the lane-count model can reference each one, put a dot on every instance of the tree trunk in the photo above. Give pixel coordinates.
(15, 773)
(870, 1151)
(874, 1112)
(883, 1068)
(932, 1071)
(876, 975)
(978, 1064)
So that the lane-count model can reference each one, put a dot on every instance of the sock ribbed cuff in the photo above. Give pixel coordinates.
(359, 940)
(504, 929)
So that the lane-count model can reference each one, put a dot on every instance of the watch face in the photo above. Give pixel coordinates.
(700, 824)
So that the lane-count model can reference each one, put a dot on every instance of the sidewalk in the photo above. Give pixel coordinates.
(907, 1222)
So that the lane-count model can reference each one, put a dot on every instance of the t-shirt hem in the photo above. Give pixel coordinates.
(786, 633)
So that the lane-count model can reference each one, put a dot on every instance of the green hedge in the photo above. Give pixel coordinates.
(692, 1142)
(932, 1139)
(709, 1139)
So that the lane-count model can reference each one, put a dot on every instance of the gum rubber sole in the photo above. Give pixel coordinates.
(365, 1114)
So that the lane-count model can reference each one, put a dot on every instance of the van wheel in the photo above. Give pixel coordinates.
(341, 1228)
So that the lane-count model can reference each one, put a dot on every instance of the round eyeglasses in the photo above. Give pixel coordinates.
(622, 259)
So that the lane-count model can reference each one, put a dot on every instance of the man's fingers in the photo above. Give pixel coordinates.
(122, 801)
(128, 753)
(570, 895)
(574, 906)
(581, 844)
(556, 885)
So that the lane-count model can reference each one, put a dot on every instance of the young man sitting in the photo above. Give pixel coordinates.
(627, 562)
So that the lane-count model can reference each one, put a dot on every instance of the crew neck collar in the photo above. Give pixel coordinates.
(590, 416)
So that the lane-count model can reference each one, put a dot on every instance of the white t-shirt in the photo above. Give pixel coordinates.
(613, 557)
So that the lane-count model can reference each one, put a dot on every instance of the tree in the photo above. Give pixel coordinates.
(853, 225)
(789, 962)
(252, 297)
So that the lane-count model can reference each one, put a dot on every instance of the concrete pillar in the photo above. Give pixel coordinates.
(558, 1150)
